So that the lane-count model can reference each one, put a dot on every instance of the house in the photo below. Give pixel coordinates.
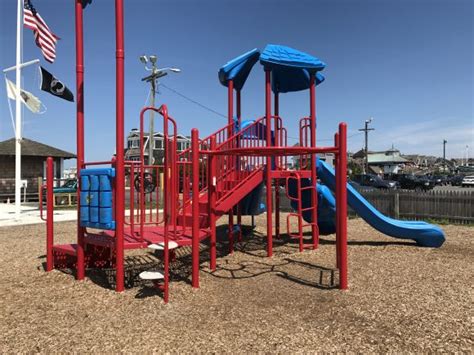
(328, 158)
(33, 165)
(384, 162)
(132, 152)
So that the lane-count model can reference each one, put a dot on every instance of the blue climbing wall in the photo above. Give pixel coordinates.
(96, 198)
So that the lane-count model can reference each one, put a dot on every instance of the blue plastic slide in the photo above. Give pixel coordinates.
(423, 233)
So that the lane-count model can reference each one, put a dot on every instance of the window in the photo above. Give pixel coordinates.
(133, 143)
(158, 143)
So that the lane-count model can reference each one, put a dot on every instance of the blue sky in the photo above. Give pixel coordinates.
(407, 63)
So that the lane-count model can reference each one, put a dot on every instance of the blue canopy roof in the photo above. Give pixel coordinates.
(290, 68)
(276, 55)
(238, 69)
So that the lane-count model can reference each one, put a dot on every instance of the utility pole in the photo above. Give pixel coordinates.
(366, 129)
(444, 154)
(156, 73)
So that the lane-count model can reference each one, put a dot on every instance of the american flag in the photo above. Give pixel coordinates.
(45, 39)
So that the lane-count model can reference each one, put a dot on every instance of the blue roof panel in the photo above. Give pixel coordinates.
(290, 68)
(238, 69)
(276, 55)
(288, 79)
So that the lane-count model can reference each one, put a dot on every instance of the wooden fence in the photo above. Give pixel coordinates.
(453, 206)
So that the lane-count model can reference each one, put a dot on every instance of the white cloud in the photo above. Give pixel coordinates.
(425, 137)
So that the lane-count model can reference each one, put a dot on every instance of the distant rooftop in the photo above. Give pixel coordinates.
(34, 149)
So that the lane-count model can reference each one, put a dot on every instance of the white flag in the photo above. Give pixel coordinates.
(30, 101)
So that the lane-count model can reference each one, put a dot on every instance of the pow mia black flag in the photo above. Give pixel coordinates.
(55, 87)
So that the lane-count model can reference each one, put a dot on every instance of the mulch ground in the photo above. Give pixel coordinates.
(402, 298)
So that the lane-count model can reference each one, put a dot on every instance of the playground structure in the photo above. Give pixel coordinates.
(222, 174)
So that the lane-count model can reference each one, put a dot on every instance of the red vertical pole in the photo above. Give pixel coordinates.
(212, 203)
(230, 160)
(79, 133)
(49, 214)
(230, 104)
(132, 199)
(195, 207)
(238, 108)
(231, 230)
(314, 178)
(141, 193)
(277, 162)
(119, 144)
(239, 118)
(338, 201)
(342, 205)
(268, 114)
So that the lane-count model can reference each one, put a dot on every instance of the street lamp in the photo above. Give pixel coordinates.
(156, 73)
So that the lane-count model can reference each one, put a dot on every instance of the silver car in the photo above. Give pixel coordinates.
(468, 181)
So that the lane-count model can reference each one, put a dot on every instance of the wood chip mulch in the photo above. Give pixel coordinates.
(402, 298)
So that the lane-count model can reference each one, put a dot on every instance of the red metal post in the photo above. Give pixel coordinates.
(141, 172)
(132, 199)
(195, 206)
(212, 203)
(268, 117)
(231, 230)
(49, 214)
(238, 108)
(314, 178)
(119, 144)
(79, 133)
(231, 160)
(342, 205)
(338, 198)
(277, 162)
(239, 118)
(230, 103)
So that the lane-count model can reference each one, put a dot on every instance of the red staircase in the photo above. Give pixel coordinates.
(238, 175)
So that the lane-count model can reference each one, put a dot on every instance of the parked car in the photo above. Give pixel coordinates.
(374, 181)
(69, 187)
(358, 186)
(438, 180)
(468, 181)
(456, 180)
(413, 182)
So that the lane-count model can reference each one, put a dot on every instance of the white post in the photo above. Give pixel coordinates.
(19, 22)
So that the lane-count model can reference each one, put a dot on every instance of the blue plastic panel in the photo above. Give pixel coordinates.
(96, 198)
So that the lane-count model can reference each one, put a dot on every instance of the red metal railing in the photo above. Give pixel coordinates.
(305, 141)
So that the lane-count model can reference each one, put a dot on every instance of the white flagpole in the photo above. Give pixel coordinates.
(19, 23)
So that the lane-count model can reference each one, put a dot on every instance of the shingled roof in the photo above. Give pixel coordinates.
(34, 149)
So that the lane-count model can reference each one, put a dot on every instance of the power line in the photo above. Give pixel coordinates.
(193, 101)
(224, 116)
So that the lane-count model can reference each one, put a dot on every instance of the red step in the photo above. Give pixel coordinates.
(240, 191)
(68, 249)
